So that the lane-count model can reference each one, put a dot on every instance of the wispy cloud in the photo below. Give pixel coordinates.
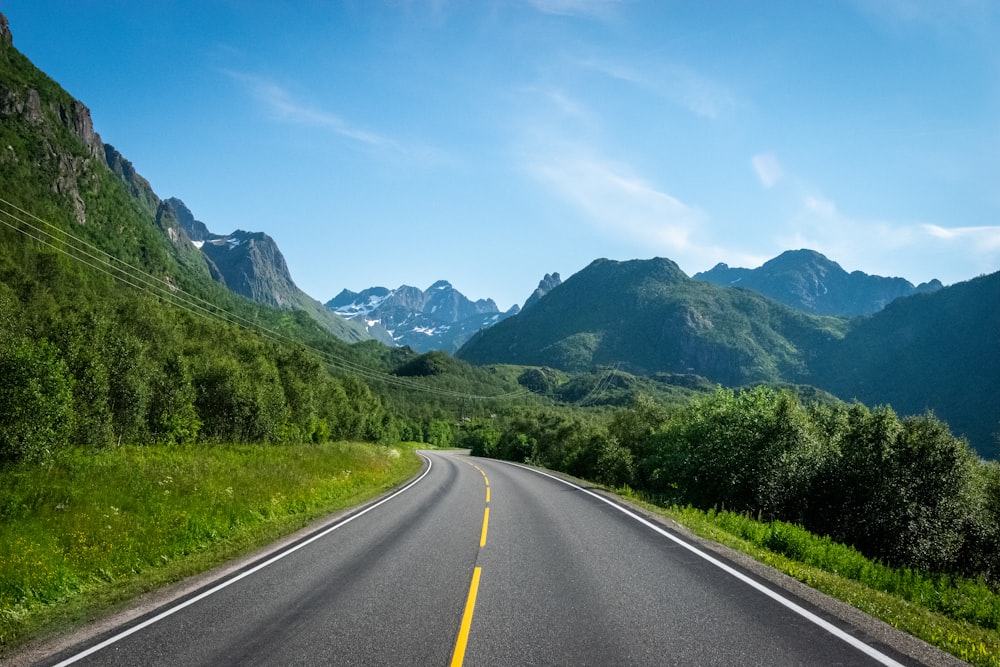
(616, 200)
(963, 15)
(596, 8)
(679, 84)
(768, 169)
(907, 249)
(285, 108)
(985, 238)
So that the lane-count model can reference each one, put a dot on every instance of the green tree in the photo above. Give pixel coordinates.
(36, 401)
(897, 490)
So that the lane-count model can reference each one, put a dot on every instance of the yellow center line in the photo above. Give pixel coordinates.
(463, 634)
(470, 604)
(483, 473)
(486, 523)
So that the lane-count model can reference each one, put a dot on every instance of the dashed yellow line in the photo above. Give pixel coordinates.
(470, 604)
(486, 523)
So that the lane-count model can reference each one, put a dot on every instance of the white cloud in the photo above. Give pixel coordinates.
(287, 109)
(962, 15)
(596, 8)
(917, 251)
(617, 201)
(768, 169)
(986, 239)
(681, 85)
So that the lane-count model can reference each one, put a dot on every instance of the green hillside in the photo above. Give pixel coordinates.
(648, 316)
(114, 331)
(938, 351)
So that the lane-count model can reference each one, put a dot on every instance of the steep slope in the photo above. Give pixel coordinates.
(438, 318)
(650, 317)
(250, 264)
(937, 352)
(55, 166)
(545, 285)
(807, 280)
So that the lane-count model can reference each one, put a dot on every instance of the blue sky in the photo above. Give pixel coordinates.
(490, 142)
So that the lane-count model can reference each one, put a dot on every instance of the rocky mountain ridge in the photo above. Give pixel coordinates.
(250, 264)
(438, 318)
(807, 280)
(42, 119)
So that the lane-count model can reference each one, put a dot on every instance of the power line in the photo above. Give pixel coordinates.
(602, 383)
(95, 258)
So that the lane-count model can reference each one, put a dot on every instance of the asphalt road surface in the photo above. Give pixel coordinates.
(491, 564)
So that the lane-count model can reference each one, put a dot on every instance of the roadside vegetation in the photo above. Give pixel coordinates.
(958, 615)
(899, 505)
(91, 529)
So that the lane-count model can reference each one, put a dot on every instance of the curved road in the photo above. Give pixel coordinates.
(491, 564)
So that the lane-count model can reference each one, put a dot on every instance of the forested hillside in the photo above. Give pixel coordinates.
(937, 351)
(648, 316)
(113, 330)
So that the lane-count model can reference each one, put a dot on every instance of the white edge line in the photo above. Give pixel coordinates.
(215, 589)
(801, 611)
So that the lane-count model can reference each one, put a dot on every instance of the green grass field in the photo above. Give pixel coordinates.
(93, 529)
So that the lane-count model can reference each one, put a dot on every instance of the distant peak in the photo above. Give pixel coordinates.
(439, 285)
(545, 285)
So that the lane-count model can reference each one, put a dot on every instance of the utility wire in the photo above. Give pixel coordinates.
(93, 257)
(602, 383)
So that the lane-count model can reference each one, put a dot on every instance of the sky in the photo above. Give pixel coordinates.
(489, 142)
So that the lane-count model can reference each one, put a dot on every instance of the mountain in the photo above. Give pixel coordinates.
(56, 166)
(937, 351)
(545, 285)
(807, 280)
(438, 318)
(648, 316)
(251, 264)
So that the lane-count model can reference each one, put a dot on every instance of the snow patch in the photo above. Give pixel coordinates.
(353, 310)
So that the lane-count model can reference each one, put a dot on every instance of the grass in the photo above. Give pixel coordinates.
(959, 616)
(95, 528)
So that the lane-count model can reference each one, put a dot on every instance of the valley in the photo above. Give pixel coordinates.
(857, 407)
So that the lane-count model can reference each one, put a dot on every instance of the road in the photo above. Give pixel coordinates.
(491, 564)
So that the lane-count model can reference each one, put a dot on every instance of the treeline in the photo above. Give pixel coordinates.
(905, 491)
(88, 361)
(77, 369)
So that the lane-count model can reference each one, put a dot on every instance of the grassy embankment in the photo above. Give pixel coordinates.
(959, 616)
(95, 528)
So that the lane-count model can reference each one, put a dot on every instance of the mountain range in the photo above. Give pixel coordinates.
(250, 264)
(886, 341)
(807, 280)
(938, 350)
(438, 318)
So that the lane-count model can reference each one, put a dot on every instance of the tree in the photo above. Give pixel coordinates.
(36, 402)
